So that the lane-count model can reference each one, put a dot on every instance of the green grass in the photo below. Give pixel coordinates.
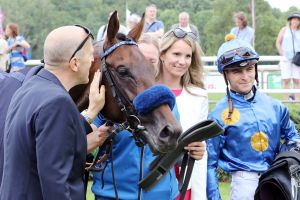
(224, 190)
(89, 194)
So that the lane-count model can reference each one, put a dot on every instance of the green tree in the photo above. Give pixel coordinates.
(214, 18)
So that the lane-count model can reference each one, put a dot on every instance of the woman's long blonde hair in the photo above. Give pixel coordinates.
(195, 74)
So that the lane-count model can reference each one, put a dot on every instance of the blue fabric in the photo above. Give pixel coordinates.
(127, 165)
(16, 57)
(154, 26)
(234, 150)
(152, 98)
(9, 83)
(247, 34)
(3, 75)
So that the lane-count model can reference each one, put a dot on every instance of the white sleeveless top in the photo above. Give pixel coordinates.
(287, 44)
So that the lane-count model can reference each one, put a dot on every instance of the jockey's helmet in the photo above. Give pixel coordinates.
(235, 53)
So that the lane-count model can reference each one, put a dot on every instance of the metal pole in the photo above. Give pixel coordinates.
(253, 20)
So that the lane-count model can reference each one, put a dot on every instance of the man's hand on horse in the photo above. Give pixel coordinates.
(196, 150)
(98, 136)
(96, 97)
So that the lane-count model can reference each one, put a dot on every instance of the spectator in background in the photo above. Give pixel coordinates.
(132, 20)
(149, 46)
(184, 24)
(103, 30)
(152, 25)
(181, 69)
(286, 37)
(3, 54)
(242, 30)
(16, 45)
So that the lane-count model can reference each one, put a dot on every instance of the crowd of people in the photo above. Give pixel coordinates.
(251, 140)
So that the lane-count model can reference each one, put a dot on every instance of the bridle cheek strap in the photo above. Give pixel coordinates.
(152, 98)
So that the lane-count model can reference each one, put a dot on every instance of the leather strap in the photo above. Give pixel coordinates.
(163, 163)
(186, 170)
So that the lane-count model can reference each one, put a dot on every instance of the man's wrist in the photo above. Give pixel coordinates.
(86, 116)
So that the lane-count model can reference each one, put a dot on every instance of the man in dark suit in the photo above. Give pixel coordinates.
(45, 141)
(9, 83)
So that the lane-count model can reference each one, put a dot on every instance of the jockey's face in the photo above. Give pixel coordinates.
(241, 79)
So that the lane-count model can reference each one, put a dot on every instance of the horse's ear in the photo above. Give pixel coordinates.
(137, 31)
(112, 28)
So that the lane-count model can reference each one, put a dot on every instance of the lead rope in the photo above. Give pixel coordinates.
(141, 170)
(185, 174)
(113, 174)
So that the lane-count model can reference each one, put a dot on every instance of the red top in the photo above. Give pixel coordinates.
(177, 92)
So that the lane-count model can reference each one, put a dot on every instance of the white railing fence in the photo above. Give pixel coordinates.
(268, 70)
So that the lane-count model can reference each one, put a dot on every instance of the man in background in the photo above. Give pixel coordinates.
(184, 24)
(152, 25)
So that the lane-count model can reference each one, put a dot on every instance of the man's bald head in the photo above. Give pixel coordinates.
(61, 43)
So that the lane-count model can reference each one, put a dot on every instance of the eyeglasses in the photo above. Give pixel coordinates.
(89, 34)
(230, 56)
(179, 33)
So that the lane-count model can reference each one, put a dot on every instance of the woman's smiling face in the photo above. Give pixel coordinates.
(177, 59)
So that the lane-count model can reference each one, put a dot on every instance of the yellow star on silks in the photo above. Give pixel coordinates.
(235, 117)
(259, 141)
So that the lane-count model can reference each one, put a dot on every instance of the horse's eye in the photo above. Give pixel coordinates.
(123, 71)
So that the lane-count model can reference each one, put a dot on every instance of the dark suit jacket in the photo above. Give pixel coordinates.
(44, 143)
(9, 83)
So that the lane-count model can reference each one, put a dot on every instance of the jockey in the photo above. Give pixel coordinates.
(254, 124)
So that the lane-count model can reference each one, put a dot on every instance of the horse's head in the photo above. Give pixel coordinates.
(126, 74)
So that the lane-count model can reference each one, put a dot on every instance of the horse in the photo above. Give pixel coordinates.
(126, 74)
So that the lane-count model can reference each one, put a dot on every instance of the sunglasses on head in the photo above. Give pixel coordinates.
(230, 56)
(89, 34)
(179, 33)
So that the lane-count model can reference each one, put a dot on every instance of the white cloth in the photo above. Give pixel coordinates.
(187, 29)
(287, 42)
(193, 109)
(243, 185)
(288, 69)
(103, 31)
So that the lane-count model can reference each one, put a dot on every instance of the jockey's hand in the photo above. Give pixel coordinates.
(96, 96)
(97, 137)
(196, 150)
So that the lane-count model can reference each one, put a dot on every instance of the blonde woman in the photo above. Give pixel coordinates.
(181, 68)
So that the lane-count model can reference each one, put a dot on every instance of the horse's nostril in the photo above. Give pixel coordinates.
(166, 132)
(168, 137)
